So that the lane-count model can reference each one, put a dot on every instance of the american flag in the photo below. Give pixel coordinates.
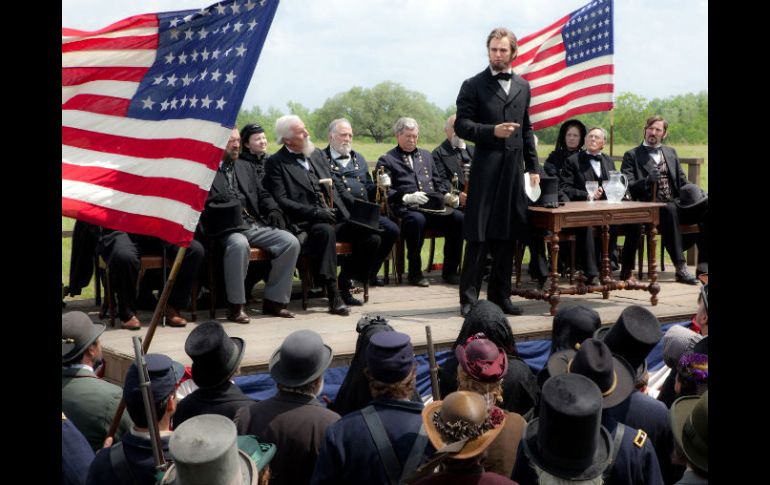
(148, 104)
(569, 65)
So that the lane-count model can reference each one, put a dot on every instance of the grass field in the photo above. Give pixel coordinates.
(372, 151)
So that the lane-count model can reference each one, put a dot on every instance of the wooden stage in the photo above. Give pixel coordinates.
(407, 308)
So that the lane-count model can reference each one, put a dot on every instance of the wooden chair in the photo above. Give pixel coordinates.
(691, 253)
(306, 275)
(146, 262)
(399, 266)
(563, 237)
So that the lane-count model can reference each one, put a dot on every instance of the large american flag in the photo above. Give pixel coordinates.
(569, 65)
(148, 104)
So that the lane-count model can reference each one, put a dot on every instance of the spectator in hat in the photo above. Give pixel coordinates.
(462, 428)
(571, 325)
(89, 402)
(134, 456)
(216, 358)
(633, 457)
(293, 419)
(690, 422)
(482, 367)
(692, 374)
(677, 341)
(76, 454)
(520, 389)
(207, 451)
(254, 148)
(567, 440)
(633, 336)
(357, 448)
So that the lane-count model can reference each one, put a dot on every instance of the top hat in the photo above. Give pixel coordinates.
(366, 215)
(594, 360)
(205, 452)
(571, 325)
(463, 416)
(77, 333)
(633, 336)
(567, 439)
(222, 217)
(301, 359)
(481, 359)
(164, 375)
(435, 205)
(549, 192)
(215, 356)
(390, 356)
(690, 195)
(690, 425)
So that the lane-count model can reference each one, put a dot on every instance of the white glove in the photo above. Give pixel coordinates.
(384, 180)
(451, 200)
(416, 198)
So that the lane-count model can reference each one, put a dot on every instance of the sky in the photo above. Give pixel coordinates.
(316, 49)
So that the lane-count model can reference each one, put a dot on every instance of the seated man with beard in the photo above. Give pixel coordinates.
(294, 176)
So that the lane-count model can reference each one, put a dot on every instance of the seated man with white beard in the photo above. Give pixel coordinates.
(293, 176)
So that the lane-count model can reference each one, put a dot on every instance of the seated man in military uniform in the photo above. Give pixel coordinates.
(451, 157)
(350, 168)
(414, 183)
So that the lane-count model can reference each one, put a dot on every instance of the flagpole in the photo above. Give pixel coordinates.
(151, 330)
(612, 128)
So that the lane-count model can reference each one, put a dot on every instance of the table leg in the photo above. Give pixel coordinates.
(554, 296)
(605, 272)
(652, 269)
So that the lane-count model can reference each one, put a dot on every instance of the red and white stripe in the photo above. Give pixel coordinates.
(558, 91)
(145, 177)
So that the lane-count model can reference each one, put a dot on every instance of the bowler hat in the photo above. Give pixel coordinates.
(365, 214)
(77, 333)
(435, 205)
(571, 325)
(690, 425)
(633, 336)
(215, 356)
(222, 217)
(594, 360)
(301, 359)
(567, 439)
(205, 452)
(462, 416)
(481, 359)
(164, 375)
(690, 195)
(549, 192)
(390, 356)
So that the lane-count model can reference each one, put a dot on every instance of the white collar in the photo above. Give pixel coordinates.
(335, 154)
(80, 366)
(494, 73)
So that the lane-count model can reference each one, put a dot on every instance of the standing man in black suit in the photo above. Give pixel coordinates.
(350, 167)
(653, 163)
(451, 156)
(493, 112)
(293, 176)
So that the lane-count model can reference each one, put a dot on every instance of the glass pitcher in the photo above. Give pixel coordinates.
(616, 187)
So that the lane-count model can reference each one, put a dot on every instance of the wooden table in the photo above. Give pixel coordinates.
(586, 214)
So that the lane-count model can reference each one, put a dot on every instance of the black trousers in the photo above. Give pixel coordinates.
(388, 238)
(122, 251)
(366, 244)
(499, 287)
(413, 225)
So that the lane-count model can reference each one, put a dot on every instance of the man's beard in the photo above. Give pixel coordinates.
(456, 141)
(343, 148)
(308, 147)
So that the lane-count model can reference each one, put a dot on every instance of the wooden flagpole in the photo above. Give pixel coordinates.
(612, 128)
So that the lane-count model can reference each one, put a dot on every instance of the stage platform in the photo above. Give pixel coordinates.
(407, 308)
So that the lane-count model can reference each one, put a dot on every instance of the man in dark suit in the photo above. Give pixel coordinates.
(412, 177)
(492, 112)
(350, 168)
(261, 224)
(293, 175)
(451, 156)
(590, 165)
(653, 164)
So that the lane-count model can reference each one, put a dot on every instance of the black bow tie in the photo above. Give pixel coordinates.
(343, 157)
(652, 149)
(297, 156)
(598, 158)
(505, 76)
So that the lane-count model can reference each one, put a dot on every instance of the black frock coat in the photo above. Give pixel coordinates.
(497, 205)
(637, 164)
(577, 171)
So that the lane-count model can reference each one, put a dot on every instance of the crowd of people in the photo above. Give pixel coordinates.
(592, 415)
